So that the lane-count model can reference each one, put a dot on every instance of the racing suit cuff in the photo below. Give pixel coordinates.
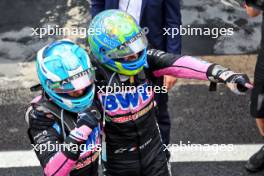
(214, 71)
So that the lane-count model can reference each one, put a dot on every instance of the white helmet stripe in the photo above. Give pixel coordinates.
(47, 73)
(76, 71)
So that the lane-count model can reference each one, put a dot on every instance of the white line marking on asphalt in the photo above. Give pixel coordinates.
(216, 153)
(18, 159)
(27, 158)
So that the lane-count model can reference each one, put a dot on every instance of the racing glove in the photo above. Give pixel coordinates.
(39, 119)
(237, 82)
(86, 122)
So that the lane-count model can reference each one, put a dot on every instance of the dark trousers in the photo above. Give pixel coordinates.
(162, 113)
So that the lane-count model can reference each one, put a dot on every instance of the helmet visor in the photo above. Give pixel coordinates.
(133, 46)
(73, 83)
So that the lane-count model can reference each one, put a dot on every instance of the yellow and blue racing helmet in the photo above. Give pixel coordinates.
(115, 35)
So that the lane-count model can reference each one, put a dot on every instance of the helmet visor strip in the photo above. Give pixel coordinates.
(73, 83)
(131, 47)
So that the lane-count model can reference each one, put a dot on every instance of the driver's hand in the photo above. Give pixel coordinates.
(169, 81)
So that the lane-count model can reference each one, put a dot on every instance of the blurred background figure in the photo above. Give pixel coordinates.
(256, 162)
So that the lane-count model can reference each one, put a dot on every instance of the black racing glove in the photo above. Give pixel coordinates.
(89, 119)
(237, 82)
(86, 122)
(38, 118)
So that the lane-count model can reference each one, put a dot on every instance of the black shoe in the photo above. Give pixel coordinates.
(256, 161)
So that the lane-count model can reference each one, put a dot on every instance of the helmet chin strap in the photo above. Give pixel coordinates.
(124, 78)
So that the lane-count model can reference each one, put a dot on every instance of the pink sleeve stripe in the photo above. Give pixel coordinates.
(59, 165)
(186, 67)
(36, 99)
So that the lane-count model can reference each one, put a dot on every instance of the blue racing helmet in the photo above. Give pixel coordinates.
(64, 67)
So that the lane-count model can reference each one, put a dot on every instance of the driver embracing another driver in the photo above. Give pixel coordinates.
(132, 140)
(67, 114)
(63, 120)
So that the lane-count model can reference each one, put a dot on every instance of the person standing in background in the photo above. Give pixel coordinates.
(155, 16)
(256, 161)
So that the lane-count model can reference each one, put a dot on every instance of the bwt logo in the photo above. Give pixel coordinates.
(125, 101)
